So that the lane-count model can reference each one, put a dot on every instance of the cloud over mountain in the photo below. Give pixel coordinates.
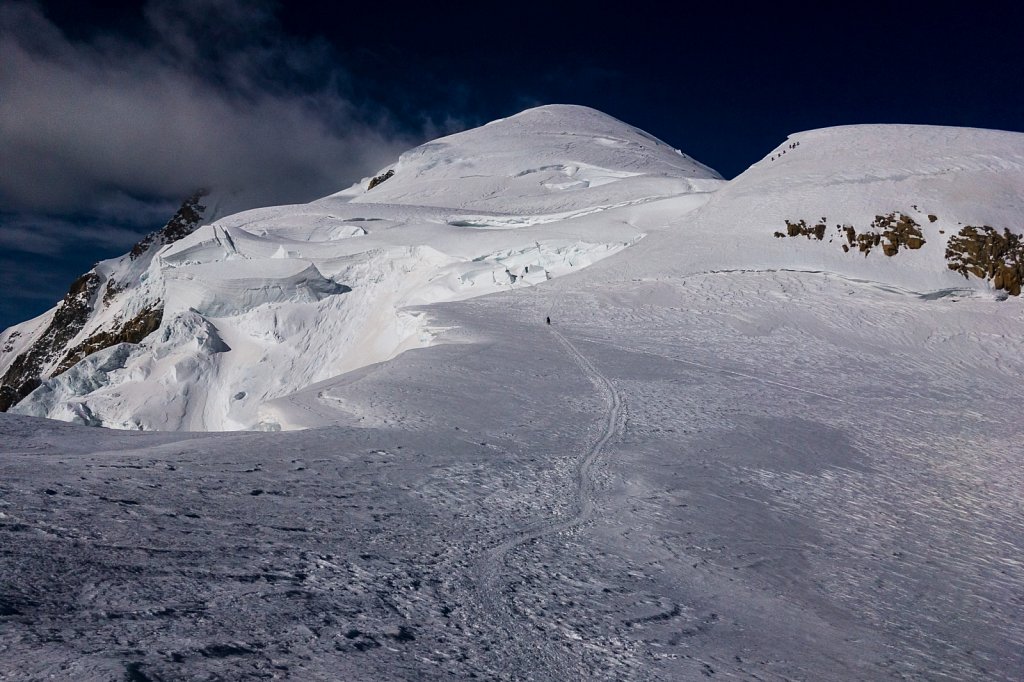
(210, 92)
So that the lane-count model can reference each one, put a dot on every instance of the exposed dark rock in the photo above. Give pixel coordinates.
(9, 346)
(980, 251)
(896, 229)
(867, 241)
(112, 289)
(899, 230)
(380, 178)
(186, 221)
(987, 254)
(73, 312)
(851, 234)
(133, 331)
(796, 229)
(23, 376)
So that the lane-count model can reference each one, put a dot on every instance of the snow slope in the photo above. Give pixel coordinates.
(263, 303)
(745, 475)
(940, 178)
(731, 455)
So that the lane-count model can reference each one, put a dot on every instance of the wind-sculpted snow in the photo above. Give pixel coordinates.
(227, 288)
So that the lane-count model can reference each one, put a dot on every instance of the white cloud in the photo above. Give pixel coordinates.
(207, 98)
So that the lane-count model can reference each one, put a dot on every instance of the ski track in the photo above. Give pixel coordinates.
(534, 650)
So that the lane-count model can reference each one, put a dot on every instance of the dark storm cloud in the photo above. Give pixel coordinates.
(210, 93)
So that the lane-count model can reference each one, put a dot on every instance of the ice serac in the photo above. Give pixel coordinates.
(229, 320)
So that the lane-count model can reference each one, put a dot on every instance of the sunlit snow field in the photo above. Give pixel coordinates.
(729, 455)
(773, 474)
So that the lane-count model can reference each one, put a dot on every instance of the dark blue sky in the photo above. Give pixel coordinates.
(115, 110)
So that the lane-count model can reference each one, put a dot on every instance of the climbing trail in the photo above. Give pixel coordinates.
(539, 656)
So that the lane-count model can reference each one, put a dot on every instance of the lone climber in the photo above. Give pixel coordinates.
(548, 320)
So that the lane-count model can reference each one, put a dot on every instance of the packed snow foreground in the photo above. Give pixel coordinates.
(215, 329)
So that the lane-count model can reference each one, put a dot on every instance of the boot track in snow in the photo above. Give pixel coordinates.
(535, 652)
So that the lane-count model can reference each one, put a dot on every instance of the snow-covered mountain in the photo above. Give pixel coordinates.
(225, 318)
(214, 327)
(926, 208)
(763, 429)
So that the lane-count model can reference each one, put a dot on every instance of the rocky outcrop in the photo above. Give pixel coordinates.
(24, 374)
(892, 232)
(987, 254)
(51, 353)
(898, 230)
(379, 179)
(983, 251)
(800, 229)
(186, 221)
(9, 344)
(133, 331)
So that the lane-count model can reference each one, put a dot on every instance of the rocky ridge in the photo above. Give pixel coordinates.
(61, 344)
